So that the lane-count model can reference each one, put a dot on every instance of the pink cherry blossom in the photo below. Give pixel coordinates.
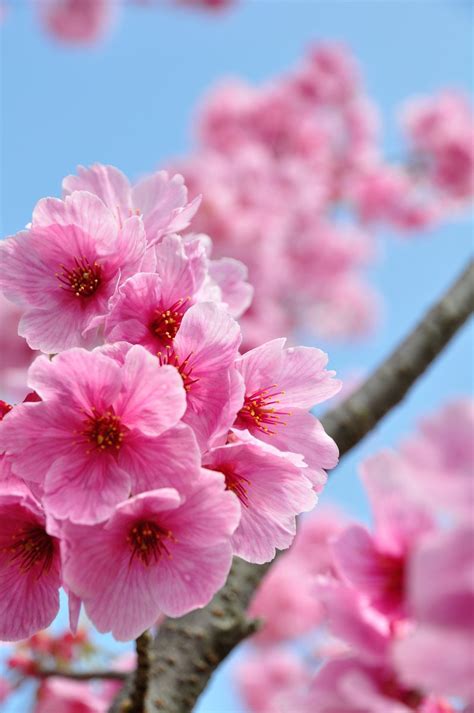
(273, 681)
(280, 386)
(286, 609)
(100, 432)
(389, 194)
(149, 309)
(441, 131)
(376, 565)
(30, 572)
(161, 201)
(249, 198)
(272, 490)
(442, 455)
(77, 21)
(161, 551)
(68, 264)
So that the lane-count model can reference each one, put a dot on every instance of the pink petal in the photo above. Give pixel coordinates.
(106, 182)
(85, 489)
(304, 379)
(81, 209)
(78, 378)
(153, 398)
(170, 460)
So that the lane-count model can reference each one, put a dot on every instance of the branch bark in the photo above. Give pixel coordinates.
(186, 651)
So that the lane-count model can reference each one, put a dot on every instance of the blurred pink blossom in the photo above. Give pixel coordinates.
(274, 681)
(77, 21)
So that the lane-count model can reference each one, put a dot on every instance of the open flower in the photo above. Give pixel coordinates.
(64, 270)
(203, 352)
(161, 201)
(149, 307)
(280, 386)
(30, 572)
(97, 427)
(376, 564)
(272, 490)
(161, 551)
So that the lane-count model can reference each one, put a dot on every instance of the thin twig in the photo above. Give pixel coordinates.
(81, 675)
(189, 649)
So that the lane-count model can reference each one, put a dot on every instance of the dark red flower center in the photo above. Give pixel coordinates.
(4, 409)
(259, 410)
(184, 366)
(409, 697)
(83, 279)
(30, 547)
(393, 569)
(104, 431)
(147, 541)
(166, 322)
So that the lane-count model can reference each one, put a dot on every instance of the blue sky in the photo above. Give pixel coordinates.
(130, 102)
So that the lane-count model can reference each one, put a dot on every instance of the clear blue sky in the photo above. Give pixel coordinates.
(130, 101)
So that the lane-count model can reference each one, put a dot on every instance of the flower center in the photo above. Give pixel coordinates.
(392, 689)
(185, 369)
(83, 279)
(104, 431)
(234, 482)
(166, 322)
(4, 409)
(31, 545)
(259, 410)
(393, 569)
(147, 542)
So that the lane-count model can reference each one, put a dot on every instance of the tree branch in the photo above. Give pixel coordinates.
(186, 651)
(81, 675)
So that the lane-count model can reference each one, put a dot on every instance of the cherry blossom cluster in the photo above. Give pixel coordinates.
(397, 600)
(80, 22)
(294, 181)
(149, 449)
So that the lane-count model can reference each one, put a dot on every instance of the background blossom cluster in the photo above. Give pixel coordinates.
(149, 450)
(295, 182)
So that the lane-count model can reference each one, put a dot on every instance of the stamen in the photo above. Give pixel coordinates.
(83, 280)
(259, 410)
(146, 540)
(184, 368)
(166, 322)
(103, 431)
(235, 482)
(31, 546)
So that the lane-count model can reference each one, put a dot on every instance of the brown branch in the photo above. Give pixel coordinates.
(81, 675)
(186, 651)
(141, 675)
